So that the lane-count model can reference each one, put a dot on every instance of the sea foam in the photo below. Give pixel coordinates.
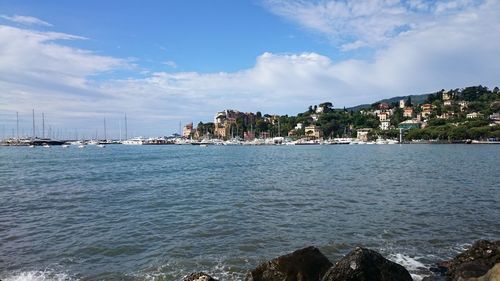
(46, 275)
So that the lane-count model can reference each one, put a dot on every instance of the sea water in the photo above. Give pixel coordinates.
(162, 212)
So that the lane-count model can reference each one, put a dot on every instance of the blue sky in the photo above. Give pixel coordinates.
(165, 62)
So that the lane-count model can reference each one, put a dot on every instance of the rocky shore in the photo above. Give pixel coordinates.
(479, 263)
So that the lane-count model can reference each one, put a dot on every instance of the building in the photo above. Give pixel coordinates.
(362, 134)
(463, 105)
(383, 116)
(448, 103)
(402, 103)
(445, 115)
(314, 131)
(474, 115)
(264, 135)
(495, 117)
(426, 109)
(408, 112)
(410, 124)
(187, 130)
(447, 95)
(223, 121)
(384, 106)
(385, 125)
(248, 136)
(299, 126)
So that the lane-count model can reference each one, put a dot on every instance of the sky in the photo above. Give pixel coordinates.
(166, 63)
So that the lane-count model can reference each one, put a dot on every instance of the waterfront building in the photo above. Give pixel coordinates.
(188, 130)
(249, 136)
(362, 134)
(314, 131)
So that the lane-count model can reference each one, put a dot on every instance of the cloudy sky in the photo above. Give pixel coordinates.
(166, 62)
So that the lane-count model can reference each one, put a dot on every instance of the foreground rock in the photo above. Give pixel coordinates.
(307, 264)
(366, 265)
(199, 276)
(475, 262)
(492, 274)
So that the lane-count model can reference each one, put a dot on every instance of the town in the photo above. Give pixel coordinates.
(468, 115)
(461, 115)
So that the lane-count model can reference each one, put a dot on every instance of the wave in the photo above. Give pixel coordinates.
(45, 275)
(417, 269)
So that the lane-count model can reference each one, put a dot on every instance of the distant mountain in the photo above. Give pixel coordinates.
(415, 99)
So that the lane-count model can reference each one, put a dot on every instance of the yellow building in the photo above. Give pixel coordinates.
(314, 131)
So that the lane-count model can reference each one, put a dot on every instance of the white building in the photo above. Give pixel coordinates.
(384, 125)
(474, 115)
(402, 103)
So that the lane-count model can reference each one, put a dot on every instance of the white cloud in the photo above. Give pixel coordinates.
(353, 24)
(37, 71)
(171, 64)
(26, 20)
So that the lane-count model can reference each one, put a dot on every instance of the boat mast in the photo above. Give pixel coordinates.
(105, 138)
(43, 125)
(17, 125)
(33, 135)
(126, 129)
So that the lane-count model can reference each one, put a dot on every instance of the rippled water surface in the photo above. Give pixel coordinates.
(160, 212)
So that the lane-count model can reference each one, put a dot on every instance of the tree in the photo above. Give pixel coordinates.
(327, 106)
(408, 102)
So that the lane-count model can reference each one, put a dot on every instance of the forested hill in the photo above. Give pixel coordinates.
(416, 99)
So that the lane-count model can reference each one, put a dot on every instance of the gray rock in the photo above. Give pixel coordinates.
(434, 278)
(199, 276)
(307, 264)
(474, 262)
(366, 265)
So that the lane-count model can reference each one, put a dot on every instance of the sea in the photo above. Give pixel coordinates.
(162, 212)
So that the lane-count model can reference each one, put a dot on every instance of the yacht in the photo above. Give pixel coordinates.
(342, 141)
(134, 141)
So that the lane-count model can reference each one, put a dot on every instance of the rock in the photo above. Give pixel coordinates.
(366, 265)
(474, 262)
(199, 276)
(492, 275)
(441, 268)
(434, 278)
(307, 264)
